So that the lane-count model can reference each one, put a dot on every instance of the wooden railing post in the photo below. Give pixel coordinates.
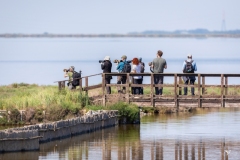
(180, 88)
(199, 91)
(226, 85)
(175, 92)
(80, 84)
(127, 88)
(60, 85)
(86, 84)
(203, 85)
(222, 91)
(152, 90)
(103, 90)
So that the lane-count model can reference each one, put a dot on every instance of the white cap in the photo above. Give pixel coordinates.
(189, 55)
(107, 58)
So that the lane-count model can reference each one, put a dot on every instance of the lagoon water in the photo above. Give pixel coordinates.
(42, 60)
(205, 134)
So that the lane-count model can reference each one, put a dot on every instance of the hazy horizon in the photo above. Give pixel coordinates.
(105, 17)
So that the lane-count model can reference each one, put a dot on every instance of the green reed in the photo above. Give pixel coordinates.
(23, 96)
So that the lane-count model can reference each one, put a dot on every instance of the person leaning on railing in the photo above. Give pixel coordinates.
(158, 65)
(106, 66)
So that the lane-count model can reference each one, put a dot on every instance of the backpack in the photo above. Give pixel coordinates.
(142, 67)
(189, 67)
(126, 68)
(75, 81)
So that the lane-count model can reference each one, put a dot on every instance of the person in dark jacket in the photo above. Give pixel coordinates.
(106, 66)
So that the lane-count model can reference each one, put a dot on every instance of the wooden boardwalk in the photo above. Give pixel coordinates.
(175, 99)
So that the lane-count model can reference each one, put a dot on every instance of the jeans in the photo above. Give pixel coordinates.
(158, 80)
(192, 88)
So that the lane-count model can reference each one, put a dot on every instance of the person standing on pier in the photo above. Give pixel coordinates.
(142, 71)
(189, 66)
(69, 73)
(158, 65)
(121, 67)
(106, 66)
(136, 68)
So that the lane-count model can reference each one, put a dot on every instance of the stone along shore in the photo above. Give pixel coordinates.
(29, 137)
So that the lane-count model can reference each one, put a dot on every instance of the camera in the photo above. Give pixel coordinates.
(118, 61)
(101, 61)
(150, 64)
(65, 70)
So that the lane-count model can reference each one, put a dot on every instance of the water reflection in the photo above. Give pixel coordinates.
(170, 137)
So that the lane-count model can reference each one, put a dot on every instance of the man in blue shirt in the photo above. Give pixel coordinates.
(189, 66)
(121, 79)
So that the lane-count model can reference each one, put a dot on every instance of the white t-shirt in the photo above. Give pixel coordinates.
(136, 68)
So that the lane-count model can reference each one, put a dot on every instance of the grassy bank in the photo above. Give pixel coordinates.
(46, 103)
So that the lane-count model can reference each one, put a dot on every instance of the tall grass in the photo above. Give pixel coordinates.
(23, 96)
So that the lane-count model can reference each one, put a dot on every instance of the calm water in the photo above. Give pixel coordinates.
(201, 135)
(205, 134)
(41, 60)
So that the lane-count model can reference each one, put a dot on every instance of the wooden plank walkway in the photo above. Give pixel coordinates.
(176, 99)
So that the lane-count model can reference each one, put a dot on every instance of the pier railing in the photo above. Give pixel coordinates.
(176, 98)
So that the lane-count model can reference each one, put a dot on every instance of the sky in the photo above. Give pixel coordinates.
(111, 16)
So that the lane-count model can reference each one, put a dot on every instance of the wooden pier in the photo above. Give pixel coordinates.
(175, 99)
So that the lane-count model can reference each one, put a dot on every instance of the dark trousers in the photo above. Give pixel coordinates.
(141, 88)
(121, 80)
(192, 88)
(158, 80)
(136, 90)
(108, 88)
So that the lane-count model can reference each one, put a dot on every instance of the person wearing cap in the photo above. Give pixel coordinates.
(106, 66)
(69, 74)
(189, 66)
(158, 65)
(121, 79)
(142, 65)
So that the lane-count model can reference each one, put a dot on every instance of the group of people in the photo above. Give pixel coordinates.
(157, 66)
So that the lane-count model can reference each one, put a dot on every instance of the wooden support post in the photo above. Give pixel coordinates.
(59, 86)
(152, 90)
(103, 90)
(63, 84)
(180, 88)
(199, 91)
(222, 91)
(203, 85)
(127, 88)
(80, 84)
(175, 92)
(86, 84)
(226, 85)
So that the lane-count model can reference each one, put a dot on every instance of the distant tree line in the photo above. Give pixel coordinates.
(194, 31)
